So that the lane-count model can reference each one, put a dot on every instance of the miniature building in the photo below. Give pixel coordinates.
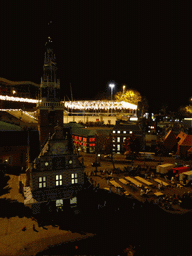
(184, 143)
(169, 140)
(56, 175)
(15, 148)
(84, 138)
(123, 130)
(50, 109)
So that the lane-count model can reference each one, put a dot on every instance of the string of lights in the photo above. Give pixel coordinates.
(82, 105)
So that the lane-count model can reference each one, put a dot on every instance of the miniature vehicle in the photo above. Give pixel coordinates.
(187, 176)
(179, 170)
(164, 168)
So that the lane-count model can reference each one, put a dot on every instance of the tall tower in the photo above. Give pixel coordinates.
(49, 109)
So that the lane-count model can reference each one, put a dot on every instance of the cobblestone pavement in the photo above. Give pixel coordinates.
(120, 162)
(14, 240)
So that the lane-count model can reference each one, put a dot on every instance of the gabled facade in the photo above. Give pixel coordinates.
(184, 143)
(169, 140)
(123, 130)
(56, 175)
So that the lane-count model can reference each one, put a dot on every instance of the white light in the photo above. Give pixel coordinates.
(111, 85)
(130, 132)
(133, 118)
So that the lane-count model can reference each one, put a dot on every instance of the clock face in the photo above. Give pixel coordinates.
(58, 148)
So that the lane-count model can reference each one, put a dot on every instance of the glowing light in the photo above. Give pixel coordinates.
(111, 85)
(11, 98)
(97, 105)
(81, 105)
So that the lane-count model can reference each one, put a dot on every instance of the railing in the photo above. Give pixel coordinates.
(50, 104)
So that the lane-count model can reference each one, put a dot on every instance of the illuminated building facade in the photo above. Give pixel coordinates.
(123, 130)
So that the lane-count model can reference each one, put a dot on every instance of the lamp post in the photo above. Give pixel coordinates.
(112, 86)
(124, 89)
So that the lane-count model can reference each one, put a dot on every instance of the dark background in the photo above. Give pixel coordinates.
(145, 45)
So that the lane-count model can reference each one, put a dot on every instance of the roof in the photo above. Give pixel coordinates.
(187, 173)
(185, 139)
(78, 129)
(9, 127)
(182, 137)
(127, 126)
(166, 165)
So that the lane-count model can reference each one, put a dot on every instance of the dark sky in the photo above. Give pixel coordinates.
(145, 45)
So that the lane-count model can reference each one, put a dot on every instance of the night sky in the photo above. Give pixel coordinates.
(145, 45)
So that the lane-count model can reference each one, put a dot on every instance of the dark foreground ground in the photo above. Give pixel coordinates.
(144, 226)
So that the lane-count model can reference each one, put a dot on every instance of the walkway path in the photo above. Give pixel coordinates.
(14, 240)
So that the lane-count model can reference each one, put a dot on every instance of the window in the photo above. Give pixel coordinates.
(124, 131)
(42, 182)
(113, 145)
(74, 178)
(73, 200)
(85, 139)
(80, 138)
(59, 204)
(130, 132)
(113, 131)
(91, 139)
(118, 131)
(118, 147)
(124, 138)
(118, 139)
(58, 180)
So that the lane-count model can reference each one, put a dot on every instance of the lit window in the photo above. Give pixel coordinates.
(73, 200)
(118, 139)
(118, 131)
(113, 145)
(113, 131)
(124, 131)
(118, 147)
(42, 182)
(74, 178)
(58, 180)
(130, 132)
(59, 204)
(124, 138)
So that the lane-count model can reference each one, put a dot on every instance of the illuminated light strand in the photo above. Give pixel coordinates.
(11, 98)
(94, 105)
(97, 105)
(19, 110)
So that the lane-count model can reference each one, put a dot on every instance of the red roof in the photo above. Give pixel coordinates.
(182, 137)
